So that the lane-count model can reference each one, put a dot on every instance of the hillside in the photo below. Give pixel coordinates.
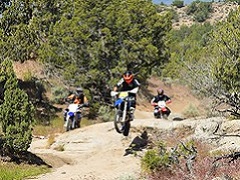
(220, 12)
(181, 95)
(97, 152)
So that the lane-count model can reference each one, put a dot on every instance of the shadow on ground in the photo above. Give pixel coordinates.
(137, 144)
(178, 119)
(24, 158)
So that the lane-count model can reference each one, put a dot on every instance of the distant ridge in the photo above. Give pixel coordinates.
(169, 2)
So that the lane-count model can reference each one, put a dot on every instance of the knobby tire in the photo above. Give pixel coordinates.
(117, 122)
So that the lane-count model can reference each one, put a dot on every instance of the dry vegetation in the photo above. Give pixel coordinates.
(220, 12)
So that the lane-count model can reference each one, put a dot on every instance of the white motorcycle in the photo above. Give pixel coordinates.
(73, 117)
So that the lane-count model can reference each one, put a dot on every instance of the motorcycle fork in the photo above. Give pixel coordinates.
(73, 122)
(124, 111)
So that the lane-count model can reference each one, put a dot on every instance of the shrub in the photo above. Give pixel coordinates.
(59, 94)
(178, 3)
(28, 76)
(192, 161)
(156, 159)
(200, 10)
(16, 113)
(191, 111)
(105, 113)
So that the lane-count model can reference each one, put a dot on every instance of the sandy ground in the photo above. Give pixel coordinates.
(96, 152)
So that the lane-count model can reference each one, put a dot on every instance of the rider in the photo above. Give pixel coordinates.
(161, 97)
(77, 98)
(128, 83)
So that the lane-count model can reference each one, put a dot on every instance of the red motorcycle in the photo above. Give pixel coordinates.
(161, 110)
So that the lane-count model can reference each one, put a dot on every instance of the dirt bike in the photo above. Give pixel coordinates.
(160, 110)
(73, 111)
(124, 113)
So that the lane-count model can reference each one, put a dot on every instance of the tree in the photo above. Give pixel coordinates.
(90, 43)
(226, 47)
(16, 113)
(25, 24)
(178, 3)
(102, 39)
(200, 10)
(3, 5)
(225, 61)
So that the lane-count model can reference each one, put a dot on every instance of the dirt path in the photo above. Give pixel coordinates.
(95, 152)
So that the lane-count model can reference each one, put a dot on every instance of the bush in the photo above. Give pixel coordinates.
(106, 113)
(156, 159)
(191, 111)
(178, 3)
(59, 94)
(200, 10)
(16, 113)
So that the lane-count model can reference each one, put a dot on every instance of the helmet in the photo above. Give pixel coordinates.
(128, 77)
(160, 91)
(79, 90)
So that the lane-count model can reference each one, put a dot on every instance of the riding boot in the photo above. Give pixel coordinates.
(65, 118)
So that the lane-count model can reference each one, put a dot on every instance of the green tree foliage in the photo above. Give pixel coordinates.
(225, 44)
(17, 40)
(207, 59)
(200, 10)
(25, 24)
(3, 5)
(101, 39)
(16, 113)
(178, 3)
(90, 42)
(225, 62)
(187, 54)
(233, 1)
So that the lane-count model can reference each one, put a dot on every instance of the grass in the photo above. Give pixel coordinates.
(10, 171)
(56, 127)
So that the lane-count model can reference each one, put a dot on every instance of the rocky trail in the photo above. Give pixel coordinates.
(96, 152)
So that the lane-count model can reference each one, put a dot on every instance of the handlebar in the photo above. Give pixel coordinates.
(134, 91)
(154, 104)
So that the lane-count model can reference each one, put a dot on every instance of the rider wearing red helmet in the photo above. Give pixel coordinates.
(161, 97)
(128, 83)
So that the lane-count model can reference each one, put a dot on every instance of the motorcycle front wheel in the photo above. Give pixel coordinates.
(69, 124)
(118, 122)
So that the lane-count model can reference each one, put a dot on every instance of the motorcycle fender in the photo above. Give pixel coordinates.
(70, 114)
(164, 109)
